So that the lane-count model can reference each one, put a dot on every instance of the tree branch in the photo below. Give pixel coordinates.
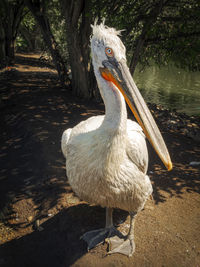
(150, 19)
(173, 37)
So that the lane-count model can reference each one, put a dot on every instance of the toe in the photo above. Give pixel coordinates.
(95, 237)
(126, 247)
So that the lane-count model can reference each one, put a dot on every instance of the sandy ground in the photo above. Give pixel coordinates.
(41, 220)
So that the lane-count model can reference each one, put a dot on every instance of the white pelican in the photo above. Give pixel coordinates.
(106, 156)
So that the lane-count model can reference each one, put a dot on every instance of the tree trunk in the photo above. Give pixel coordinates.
(78, 38)
(40, 16)
(9, 34)
(2, 45)
(28, 37)
(150, 20)
(10, 49)
(136, 54)
(10, 20)
(80, 83)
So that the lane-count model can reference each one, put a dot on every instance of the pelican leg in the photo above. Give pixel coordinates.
(126, 245)
(97, 237)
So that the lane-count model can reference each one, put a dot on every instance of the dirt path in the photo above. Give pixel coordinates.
(41, 220)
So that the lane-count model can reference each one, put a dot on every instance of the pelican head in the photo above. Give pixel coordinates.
(109, 61)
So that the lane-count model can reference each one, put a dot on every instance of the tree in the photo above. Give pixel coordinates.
(11, 14)
(176, 35)
(2, 44)
(29, 35)
(78, 30)
(159, 31)
(38, 9)
(155, 30)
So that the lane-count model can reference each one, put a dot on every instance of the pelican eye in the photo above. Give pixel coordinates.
(109, 52)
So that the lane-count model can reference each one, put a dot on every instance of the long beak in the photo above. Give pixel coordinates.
(119, 74)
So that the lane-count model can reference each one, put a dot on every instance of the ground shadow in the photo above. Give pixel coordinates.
(36, 111)
(183, 177)
(59, 243)
(33, 62)
(34, 114)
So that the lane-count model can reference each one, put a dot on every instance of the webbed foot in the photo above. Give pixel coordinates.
(97, 237)
(121, 245)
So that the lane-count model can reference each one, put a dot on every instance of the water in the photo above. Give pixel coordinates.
(171, 87)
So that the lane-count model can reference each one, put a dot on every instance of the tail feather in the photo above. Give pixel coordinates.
(64, 141)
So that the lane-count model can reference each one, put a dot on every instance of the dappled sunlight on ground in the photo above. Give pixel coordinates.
(34, 191)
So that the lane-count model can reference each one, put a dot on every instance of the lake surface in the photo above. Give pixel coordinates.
(171, 87)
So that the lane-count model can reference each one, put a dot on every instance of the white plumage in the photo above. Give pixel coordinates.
(106, 156)
(107, 166)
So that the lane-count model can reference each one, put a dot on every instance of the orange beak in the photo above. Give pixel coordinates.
(119, 74)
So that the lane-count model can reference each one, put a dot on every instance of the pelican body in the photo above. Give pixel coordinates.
(106, 156)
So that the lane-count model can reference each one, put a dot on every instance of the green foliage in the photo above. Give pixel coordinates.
(21, 43)
(58, 27)
(29, 36)
(28, 21)
(171, 34)
(175, 35)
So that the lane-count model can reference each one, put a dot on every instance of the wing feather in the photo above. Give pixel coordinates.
(136, 147)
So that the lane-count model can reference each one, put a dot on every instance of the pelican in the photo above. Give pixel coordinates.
(106, 156)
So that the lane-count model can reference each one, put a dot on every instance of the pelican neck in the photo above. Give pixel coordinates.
(115, 106)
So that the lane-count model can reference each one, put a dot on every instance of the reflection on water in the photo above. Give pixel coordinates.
(171, 87)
